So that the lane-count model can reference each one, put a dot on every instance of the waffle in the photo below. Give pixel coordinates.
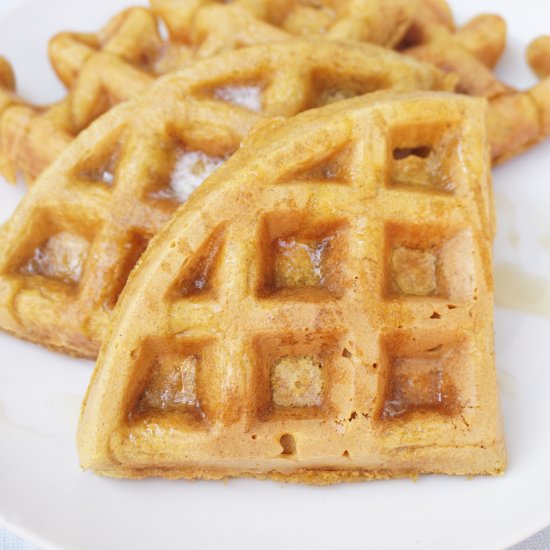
(116, 63)
(74, 238)
(334, 324)
(538, 55)
(426, 33)
(424, 27)
(122, 59)
(517, 120)
(382, 22)
(8, 99)
(432, 31)
(101, 70)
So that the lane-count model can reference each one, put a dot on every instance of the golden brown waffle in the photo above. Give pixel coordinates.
(381, 22)
(74, 238)
(30, 137)
(516, 119)
(426, 25)
(538, 55)
(427, 33)
(120, 60)
(7, 100)
(432, 25)
(101, 70)
(132, 36)
(333, 323)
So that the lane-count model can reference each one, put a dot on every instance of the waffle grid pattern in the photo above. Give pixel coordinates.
(356, 331)
(125, 57)
(113, 206)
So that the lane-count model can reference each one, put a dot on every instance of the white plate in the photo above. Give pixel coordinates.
(45, 497)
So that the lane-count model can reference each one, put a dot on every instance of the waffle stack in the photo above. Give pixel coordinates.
(320, 308)
(335, 323)
(78, 233)
(124, 57)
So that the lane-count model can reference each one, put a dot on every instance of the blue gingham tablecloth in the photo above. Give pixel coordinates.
(8, 541)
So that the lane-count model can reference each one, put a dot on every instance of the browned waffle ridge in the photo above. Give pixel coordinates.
(517, 119)
(74, 238)
(123, 58)
(320, 310)
(383, 22)
(100, 70)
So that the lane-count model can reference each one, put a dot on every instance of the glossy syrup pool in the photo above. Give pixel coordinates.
(299, 263)
(190, 170)
(418, 384)
(249, 97)
(522, 254)
(61, 257)
(171, 384)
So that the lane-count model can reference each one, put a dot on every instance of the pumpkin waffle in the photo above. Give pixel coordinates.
(100, 70)
(397, 24)
(8, 99)
(334, 324)
(427, 33)
(119, 61)
(71, 243)
(516, 119)
(382, 22)
(538, 55)
(432, 27)
(122, 59)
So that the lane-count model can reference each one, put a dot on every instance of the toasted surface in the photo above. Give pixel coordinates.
(124, 57)
(422, 29)
(383, 22)
(269, 329)
(99, 70)
(91, 214)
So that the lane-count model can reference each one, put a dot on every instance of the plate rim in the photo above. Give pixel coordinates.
(533, 527)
